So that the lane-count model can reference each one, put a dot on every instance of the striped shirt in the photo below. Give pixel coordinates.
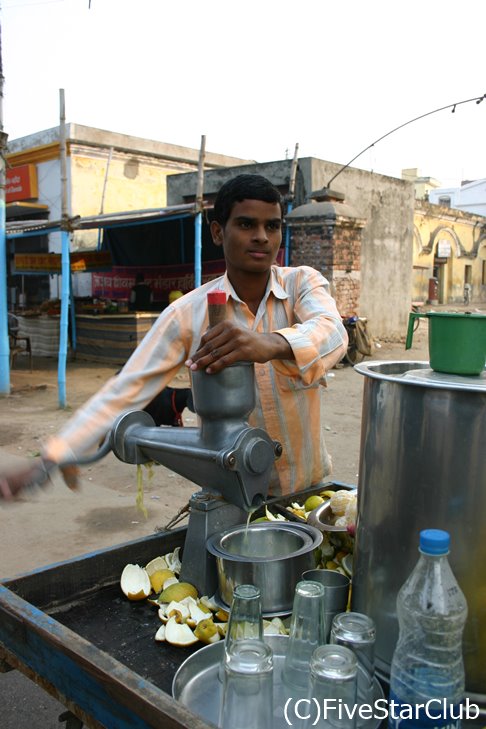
(289, 397)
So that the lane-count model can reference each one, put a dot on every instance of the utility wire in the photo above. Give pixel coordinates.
(477, 99)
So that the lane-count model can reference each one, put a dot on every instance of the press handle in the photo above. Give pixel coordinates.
(411, 322)
(216, 307)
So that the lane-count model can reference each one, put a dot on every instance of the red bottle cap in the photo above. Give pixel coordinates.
(217, 297)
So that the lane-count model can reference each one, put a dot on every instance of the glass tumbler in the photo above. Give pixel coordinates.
(245, 619)
(306, 633)
(247, 696)
(333, 685)
(336, 591)
(357, 632)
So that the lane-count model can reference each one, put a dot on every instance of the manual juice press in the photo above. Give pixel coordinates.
(230, 460)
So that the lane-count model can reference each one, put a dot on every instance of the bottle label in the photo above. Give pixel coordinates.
(431, 714)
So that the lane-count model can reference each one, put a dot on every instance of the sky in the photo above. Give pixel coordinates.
(257, 77)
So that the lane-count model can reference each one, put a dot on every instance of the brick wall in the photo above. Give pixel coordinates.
(334, 249)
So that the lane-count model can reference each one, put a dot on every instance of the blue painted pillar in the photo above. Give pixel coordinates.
(64, 323)
(287, 239)
(197, 250)
(73, 313)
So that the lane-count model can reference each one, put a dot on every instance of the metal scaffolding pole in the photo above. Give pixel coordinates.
(290, 203)
(65, 262)
(198, 219)
(4, 345)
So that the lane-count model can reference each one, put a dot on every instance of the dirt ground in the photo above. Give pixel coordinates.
(56, 524)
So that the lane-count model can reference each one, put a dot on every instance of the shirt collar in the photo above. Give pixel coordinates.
(273, 286)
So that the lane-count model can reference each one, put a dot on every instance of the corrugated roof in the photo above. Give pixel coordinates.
(106, 220)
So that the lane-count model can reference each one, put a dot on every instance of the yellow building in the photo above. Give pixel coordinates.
(449, 251)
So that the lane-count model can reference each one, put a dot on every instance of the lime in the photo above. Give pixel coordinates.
(158, 578)
(312, 502)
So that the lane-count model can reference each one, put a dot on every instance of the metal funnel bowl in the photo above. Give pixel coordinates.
(271, 556)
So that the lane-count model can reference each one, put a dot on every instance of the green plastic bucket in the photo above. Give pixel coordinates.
(457, 342)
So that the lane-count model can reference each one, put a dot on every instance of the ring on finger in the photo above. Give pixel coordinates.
(215, 354)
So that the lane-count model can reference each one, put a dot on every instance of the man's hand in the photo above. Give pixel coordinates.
(70, 475)
(14, 482)
(225, 344)
(36, 473)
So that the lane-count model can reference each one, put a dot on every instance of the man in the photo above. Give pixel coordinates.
(141, 296)
(282, 319)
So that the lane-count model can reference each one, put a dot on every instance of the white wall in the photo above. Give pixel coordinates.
(470, 197)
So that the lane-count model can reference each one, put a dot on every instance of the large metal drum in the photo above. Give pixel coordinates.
(422, 465)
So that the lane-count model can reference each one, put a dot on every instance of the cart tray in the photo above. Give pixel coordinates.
(197, 683)
(70, 629)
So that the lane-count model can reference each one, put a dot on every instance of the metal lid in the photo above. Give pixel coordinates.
(456, 314)
(420, 374)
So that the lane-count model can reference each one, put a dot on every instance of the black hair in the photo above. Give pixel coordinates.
(244, 187)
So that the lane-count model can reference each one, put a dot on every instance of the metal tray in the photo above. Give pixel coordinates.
(280, 503)
(321, 516)
(197, 684)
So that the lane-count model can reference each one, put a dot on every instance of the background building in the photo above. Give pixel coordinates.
(423, 186)
(377, 212)
(470, 197)
(106, 172)
(449, 251)
(376, 238)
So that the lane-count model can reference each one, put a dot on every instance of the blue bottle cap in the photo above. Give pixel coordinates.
(434, 541)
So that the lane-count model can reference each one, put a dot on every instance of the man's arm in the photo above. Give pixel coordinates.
(153, 364)
(318, 337)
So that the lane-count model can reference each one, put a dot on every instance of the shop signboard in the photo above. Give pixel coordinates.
(443, 249)
(21, 183)
(51, 262)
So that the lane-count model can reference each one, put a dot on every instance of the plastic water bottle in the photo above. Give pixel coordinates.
(427, 666)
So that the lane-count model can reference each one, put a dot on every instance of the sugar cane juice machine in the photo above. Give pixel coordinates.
(230, 460)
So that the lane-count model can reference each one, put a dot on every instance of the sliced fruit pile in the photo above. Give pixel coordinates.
(343, 505)
(186, 618)
(336, 549)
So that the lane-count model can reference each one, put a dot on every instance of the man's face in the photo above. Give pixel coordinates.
(251, 237)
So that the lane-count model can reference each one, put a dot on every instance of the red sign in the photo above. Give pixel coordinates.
(21, 183)
(117, 283)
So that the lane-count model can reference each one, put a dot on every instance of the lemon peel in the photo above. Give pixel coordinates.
(179, 633)
(135, 582)
(156, 564)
